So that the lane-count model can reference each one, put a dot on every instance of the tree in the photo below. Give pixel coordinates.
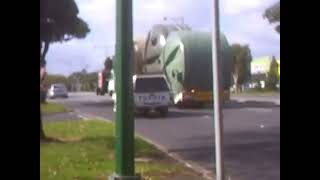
(59, 22)
(53, 79)
(273, 75)
(88, 81)
(240, 65)
(75, 81)
(108, 63)
(273, 15)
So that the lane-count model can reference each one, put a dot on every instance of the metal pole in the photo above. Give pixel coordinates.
(218, 123)
(124, 104)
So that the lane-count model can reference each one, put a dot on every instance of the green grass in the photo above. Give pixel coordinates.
(85, 150)
(53, 108)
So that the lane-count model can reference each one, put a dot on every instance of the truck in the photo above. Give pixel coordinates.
(178, 52)
(104, 76)
(186, 60)
(146, 55)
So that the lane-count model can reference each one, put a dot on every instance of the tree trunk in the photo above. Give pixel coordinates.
(45, 50)
(40, 49)
(42, 75)
(42, 135)
(235, 81)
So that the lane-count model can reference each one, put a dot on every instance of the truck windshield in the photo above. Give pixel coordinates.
(156, 84)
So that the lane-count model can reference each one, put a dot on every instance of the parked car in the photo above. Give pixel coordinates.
(57, 90)
(151, 93)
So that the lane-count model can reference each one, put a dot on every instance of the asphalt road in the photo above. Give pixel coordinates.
(251, 133)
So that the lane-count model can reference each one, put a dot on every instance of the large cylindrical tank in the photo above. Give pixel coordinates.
(139, 46)
(186, 60)
(155, 41)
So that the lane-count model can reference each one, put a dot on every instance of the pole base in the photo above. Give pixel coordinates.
(117, 177)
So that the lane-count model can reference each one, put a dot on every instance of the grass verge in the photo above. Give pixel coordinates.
(53, 108)
(85, 150)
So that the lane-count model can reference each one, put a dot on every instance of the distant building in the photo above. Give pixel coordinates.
(259, 70)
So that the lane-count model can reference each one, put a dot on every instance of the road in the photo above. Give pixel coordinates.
(251, 134)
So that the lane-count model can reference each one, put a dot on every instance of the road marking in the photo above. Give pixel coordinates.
(265, 110)
(207, 116)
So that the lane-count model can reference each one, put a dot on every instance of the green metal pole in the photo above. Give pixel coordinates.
(124, 104)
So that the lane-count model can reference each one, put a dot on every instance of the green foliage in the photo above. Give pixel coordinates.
(55, 78)
(241, 63)
(108, 63)
(273, 75)
(88, 81)
(59, 21)
(273, 15)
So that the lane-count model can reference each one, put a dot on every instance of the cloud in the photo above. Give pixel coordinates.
(234, 7)
(249, 27)
(241, 21)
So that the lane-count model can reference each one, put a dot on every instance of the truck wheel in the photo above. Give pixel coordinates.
(180, 105)
(164, 112)
(145, 113)
(98, 91)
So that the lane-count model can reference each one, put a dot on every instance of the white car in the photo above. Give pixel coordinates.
(151, 93)
(57, 90)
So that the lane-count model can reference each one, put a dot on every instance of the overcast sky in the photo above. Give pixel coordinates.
(241, 21)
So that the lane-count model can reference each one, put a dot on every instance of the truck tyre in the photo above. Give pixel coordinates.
(180, 105)
(98, 91)
(164, 111)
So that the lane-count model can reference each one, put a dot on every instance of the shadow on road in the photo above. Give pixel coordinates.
(99, 104)
(172, 115)
(249, 104)
(248, 155)
(184, 114)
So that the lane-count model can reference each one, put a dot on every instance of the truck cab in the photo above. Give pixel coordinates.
(104, 79)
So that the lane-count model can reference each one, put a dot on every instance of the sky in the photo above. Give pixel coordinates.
(240, 20)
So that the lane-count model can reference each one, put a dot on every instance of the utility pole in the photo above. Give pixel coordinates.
(124, 105)
(218, 122)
